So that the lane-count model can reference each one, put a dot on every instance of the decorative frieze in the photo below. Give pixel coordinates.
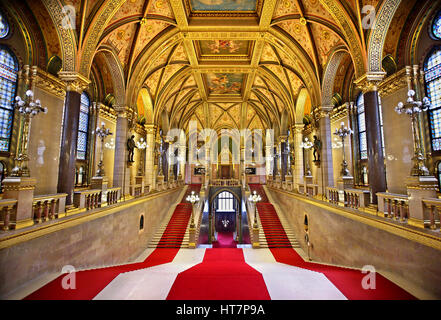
(339, 112)
(393, 83)
(49, 83)
(107, 113)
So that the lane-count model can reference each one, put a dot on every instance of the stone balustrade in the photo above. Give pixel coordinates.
(394, 206)
(356, 198)
(136, 190)
(333, 194)
(8, 210)
(432, 207)
(311, 190)
(89, 199)
(48, 207)
(225, 183)
(113, 195)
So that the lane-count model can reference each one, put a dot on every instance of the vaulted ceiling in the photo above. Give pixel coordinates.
(222, 63)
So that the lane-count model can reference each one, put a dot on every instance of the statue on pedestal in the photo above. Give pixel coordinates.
(131, 145)
(317, 146)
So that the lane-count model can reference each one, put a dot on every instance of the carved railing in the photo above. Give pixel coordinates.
(225, 183)
(333, 194)
(48, 207)
(8, 212)
(432, 208)
(89, 199)
(136, 190)
(394, 206)
(113, 195)
(356, 198)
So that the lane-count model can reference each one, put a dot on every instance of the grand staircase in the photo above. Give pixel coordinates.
(173, 233)
(274, 230)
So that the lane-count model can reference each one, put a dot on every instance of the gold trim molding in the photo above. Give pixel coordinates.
(393, 83)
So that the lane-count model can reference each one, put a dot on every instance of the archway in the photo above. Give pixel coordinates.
(225, 207)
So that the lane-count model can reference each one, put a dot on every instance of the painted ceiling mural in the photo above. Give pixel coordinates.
(210, 59)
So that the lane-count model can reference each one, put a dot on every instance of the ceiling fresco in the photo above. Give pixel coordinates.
(205, 56)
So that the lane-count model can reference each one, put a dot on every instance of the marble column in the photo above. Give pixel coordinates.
(377, 175)
(165, 160)
(94, 113)
(121, 174)
(149, 155)
(326, 173)
(75, 84)
(182, 158)
(298, 152)
(268, 159)
(284, 156)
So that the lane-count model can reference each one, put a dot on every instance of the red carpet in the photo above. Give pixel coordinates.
(272, 228)
(175, 231)
(348, 281)
(222, 275)
(225, 240)
(90, 282)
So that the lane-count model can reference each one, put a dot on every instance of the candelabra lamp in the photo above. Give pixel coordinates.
(255, 198)
(192, 198)
(307, 145)
(413, 109)
(343, 132)
(27, 108)
(102, 133)
(141, 145)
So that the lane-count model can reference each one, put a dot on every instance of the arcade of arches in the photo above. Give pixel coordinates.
(166, 138)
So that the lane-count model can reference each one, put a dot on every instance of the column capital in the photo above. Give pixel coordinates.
(74, 81)
(370, 81)
(323, 111)
(150, 128)
(123, 111)
(298, 128)
(283, 138)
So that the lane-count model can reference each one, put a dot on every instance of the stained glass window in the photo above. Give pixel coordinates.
(436, 26)
(83, 127)
(8, 83)
(432, 74)
(361, 127)
(4, 26)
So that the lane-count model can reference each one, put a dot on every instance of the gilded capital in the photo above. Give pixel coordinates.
(74, 81)
(370, 81)
(150, 128)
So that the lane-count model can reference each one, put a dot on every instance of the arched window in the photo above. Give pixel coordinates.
(436, 26)
(8, 84)
(432, 74)
(361, 127)
(225, 202)
(83, 127)
(4, 27)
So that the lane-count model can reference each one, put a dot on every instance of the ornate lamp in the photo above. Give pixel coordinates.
(343, 132)
(255, 198)
(413, 109)
(102, 133)
(306, 144)
(28, 108)
(192, 198)
(141, 145)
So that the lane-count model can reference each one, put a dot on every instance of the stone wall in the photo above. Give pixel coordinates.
(344, 241)
(107, 240)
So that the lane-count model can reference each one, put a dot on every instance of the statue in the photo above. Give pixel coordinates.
(131, 145)
(317, 146)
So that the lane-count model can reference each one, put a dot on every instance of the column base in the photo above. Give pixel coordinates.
(418, 188)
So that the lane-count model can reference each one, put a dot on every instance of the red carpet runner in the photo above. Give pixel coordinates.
(225, 240)
(222, 275)
(274, 233)
(348, 281)
(90, 282)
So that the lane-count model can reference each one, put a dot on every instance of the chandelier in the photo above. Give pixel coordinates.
(101, 133)
(413, 109)
(27, 108)
(343, 132)
(225, 223)
(192, 198)
(306, 144)
(254, 198)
